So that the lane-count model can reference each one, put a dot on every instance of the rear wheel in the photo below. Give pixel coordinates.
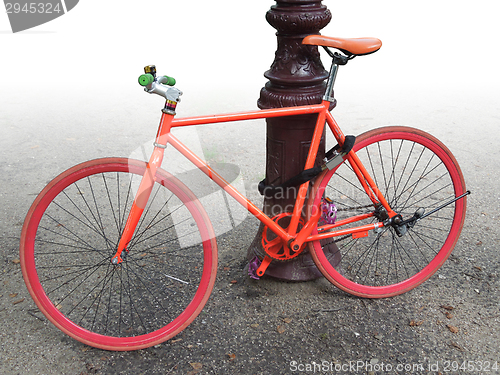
(71, 234)
(414, 171)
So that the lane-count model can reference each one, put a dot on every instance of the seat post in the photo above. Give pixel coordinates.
(331, 82)
(337, 60)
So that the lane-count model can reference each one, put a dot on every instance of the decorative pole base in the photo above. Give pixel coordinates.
(296, 77)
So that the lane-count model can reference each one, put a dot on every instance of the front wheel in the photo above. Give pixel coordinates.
(414, 171)
(71, 234)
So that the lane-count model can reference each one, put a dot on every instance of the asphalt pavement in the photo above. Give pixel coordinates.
(264, 326)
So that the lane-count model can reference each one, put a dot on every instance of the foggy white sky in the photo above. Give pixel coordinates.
(225, 42)
(435, 54)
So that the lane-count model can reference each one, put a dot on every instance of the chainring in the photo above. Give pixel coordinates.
(273, 245)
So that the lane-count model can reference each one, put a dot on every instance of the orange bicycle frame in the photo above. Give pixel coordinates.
(290, 237)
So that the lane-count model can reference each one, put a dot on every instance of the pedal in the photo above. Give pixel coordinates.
(336, 155)
(253, 266)
(329, 211)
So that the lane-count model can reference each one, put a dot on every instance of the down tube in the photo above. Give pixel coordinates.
(219, 180)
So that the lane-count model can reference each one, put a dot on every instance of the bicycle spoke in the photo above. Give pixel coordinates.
(94, 268)
(80, 240)
(108, 242)
(138, 239)
(91, 226)
(109, 200)
(53, 243)
(104, 282)
(82, 197)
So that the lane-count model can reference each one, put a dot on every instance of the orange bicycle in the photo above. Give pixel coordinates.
(120, 254)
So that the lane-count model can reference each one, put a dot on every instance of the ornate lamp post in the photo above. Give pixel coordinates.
(296, 77)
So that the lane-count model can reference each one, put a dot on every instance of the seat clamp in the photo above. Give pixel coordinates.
(159, 145)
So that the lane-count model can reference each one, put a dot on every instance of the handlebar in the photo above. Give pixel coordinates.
(147, 79)
(159, 85)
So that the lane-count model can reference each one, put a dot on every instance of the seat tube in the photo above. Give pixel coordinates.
(311, 159)
(146, 186)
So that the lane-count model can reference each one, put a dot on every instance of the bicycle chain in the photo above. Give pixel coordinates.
(354, 208)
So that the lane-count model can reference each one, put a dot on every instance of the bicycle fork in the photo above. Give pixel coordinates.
(146, 186)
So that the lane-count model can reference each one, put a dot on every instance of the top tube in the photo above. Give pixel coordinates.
(252, 115)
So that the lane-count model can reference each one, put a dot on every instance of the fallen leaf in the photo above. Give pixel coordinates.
(104, 358)
(19, 301)
(196, 365)
(447, 307)
(234, 281)
(287, 320)
(16, 261)
(454, 344)
(231, 356)
(478, 268)
(479, 243)
(12, 295)
(281, 329)
(452, 329)
(255, 325)
(448, 315)
(416, 323)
